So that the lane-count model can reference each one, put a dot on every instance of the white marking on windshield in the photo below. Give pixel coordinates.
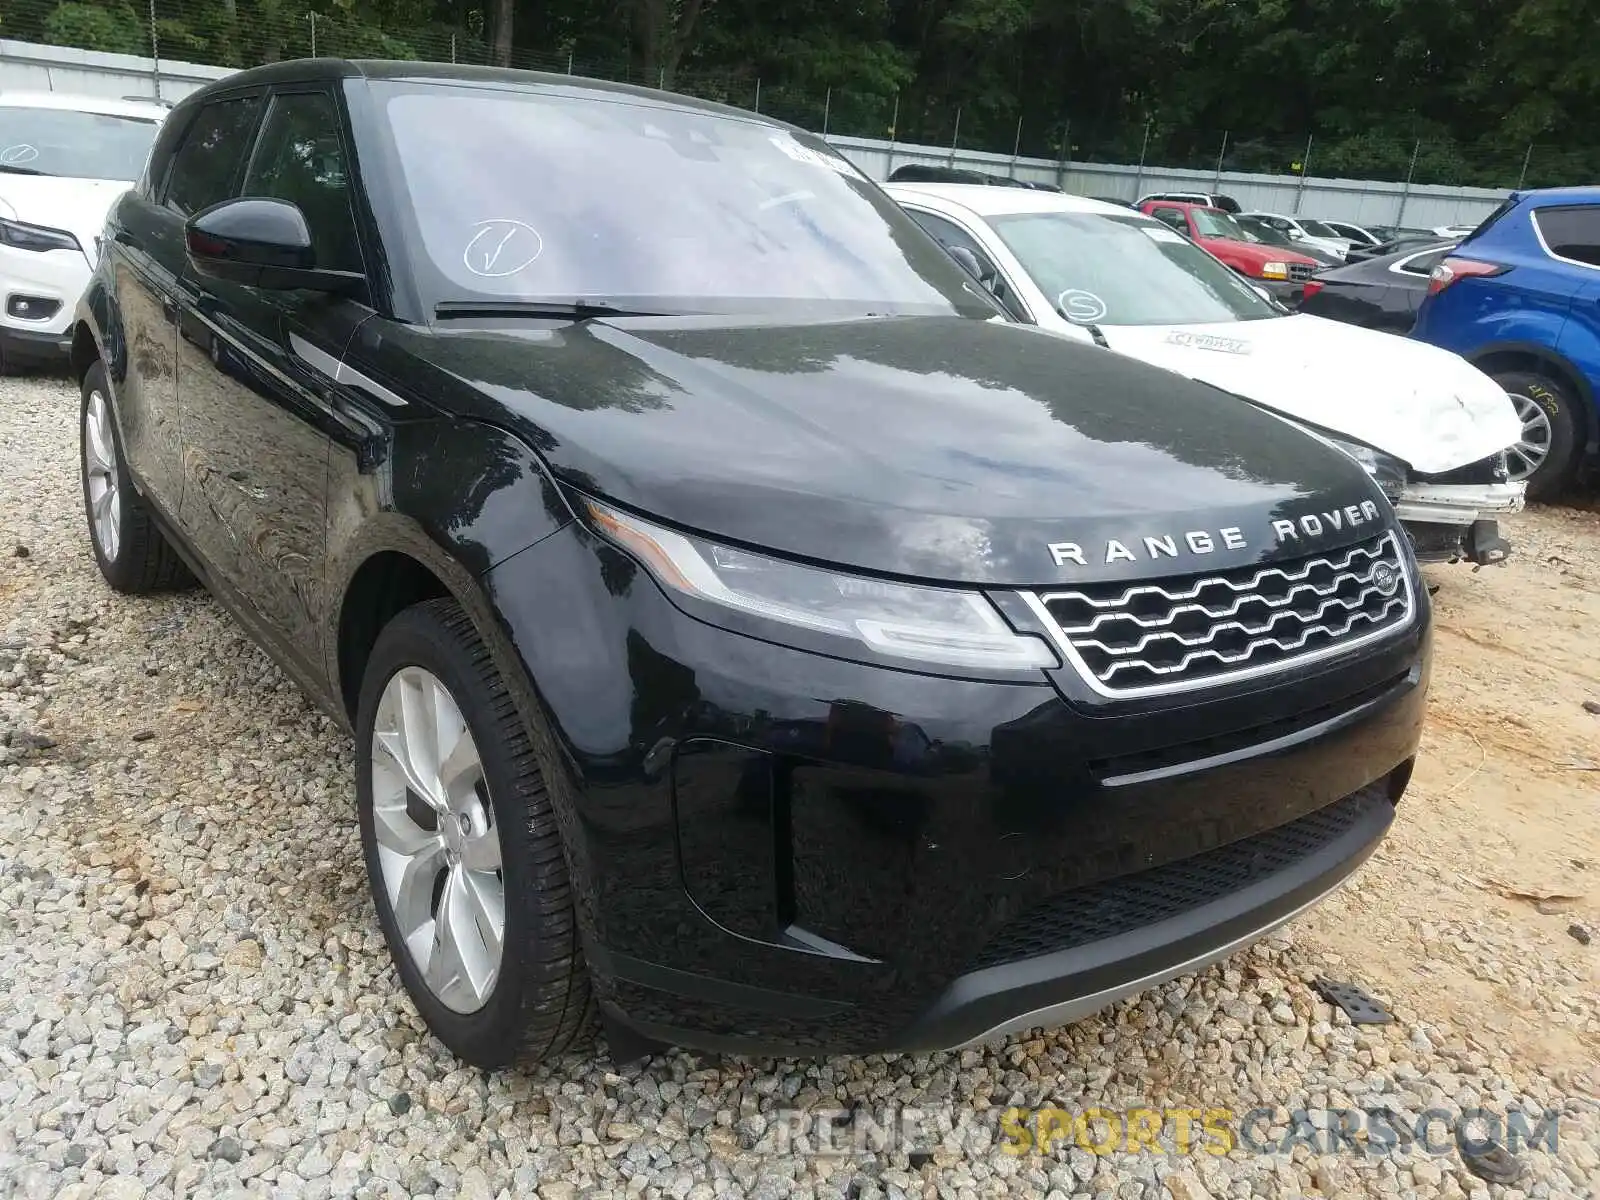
(502, 246)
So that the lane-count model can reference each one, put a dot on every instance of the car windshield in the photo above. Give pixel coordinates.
(1126, 271)
(1319, 229)
(1211, 222)
(1257, 230)
(606, 197)
(72, 144)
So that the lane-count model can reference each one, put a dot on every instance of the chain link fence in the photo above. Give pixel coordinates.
(241, 33)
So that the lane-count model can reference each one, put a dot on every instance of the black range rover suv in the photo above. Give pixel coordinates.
(745, 633)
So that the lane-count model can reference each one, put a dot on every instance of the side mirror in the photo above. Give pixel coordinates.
(260, 243)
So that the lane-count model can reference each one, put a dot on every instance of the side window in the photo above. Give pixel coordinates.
(1571, 232)
(950, 235)
(208, 161)
(1173, 217)
(299, 158)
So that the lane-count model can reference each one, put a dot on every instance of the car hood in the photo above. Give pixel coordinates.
(78, 206)
(1254, 254)
(939, 448)
(1426, 406)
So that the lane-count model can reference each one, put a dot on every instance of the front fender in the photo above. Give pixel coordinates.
(466, 495)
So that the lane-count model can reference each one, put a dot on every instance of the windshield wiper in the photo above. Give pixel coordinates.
(577, 310)
(12, 169)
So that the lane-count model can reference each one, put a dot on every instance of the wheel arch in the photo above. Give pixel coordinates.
(384, 584)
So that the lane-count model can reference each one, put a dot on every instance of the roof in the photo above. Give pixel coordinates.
(1186, 205)
(303, 69)
(1583, 194)
(108, 105)
(1003, 201)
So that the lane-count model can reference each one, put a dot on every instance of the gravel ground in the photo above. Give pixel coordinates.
(196, 999)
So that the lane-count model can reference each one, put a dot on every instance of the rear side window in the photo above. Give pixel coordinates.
(208, 162)
(1173, 217)
(300, 159)
(1572, 233)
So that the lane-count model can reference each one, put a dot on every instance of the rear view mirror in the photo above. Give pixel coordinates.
(260, 243)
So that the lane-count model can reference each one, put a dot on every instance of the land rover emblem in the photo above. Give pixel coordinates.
(1385, 578)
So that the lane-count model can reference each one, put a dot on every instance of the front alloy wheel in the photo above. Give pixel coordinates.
(1546, 451)
(463, 854)
(438, 844)
(1528, 453)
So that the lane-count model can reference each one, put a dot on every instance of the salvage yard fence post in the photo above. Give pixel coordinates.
(1305, 165)
(1216, 178)
(955, 136)
(155, 51)
(1405, 192)
(1144, 148)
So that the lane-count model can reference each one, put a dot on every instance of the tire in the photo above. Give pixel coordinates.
(133, 555)
(1550, 416)
(536, 1002)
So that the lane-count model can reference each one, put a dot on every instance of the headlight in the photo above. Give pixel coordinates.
(1389, 471)
(930, 625)
(1275, 270)
(22, 236)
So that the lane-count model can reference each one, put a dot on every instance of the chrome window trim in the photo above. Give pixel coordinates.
(1533, 219)
(1398, 267)
(1036, 602)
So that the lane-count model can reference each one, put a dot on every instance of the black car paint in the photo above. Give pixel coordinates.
(777, 842)
(1370, 293)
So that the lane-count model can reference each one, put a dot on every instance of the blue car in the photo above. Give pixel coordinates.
(1520, 299)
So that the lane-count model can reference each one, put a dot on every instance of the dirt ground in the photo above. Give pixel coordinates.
(1468, 913)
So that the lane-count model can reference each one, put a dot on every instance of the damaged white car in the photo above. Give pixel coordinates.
(1429, 427)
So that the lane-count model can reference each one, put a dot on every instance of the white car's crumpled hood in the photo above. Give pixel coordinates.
(78, 206)
(1426, 406)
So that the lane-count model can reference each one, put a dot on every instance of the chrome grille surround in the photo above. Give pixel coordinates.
(1300, 272)
(1178, 634)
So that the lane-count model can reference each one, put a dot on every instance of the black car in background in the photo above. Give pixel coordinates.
(933, 173)
(743, 630)
(1378, 293)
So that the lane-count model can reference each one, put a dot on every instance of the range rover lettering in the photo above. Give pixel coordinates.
(747, 638)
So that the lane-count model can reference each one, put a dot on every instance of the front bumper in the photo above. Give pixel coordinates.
(49, 283)
(1451, 521)
(781, 852)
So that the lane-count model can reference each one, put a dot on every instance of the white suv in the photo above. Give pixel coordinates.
(63, 160)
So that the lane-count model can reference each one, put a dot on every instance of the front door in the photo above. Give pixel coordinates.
(257, 418)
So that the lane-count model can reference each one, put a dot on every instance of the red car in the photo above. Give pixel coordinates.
(1278, 270)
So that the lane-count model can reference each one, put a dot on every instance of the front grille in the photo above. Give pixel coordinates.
(1118, 906)
(1300, 272)
(1197, 630)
